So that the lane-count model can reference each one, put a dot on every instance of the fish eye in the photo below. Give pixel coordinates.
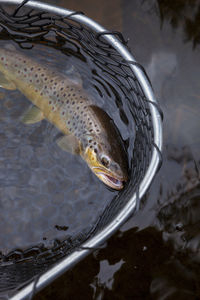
(105, 161)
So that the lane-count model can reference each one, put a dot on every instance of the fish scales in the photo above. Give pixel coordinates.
(87, 129)
(63, 103)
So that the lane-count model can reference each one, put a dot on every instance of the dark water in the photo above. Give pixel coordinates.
(46, 193)
(156, 254)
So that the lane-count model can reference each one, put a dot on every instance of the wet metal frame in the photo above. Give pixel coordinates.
(100, 237)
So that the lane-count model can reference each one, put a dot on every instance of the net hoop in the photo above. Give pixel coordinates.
(98, 239)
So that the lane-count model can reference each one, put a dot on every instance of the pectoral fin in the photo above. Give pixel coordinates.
(5, 83)
(33, 115)
(69, 143)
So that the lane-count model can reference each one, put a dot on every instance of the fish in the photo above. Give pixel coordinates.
(87, 130)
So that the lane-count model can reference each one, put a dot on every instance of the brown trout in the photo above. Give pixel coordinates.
(88, 130)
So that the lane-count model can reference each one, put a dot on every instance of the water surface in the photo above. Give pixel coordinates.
(155, 255)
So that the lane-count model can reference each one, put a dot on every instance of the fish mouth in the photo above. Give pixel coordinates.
(112, 180)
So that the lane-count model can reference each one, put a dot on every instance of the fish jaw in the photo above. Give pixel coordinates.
(108, 178)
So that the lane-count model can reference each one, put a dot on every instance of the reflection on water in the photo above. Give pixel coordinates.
(184, 13)
(156, 253)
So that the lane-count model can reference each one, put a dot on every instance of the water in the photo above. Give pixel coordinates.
(46, 193)
(155, 255)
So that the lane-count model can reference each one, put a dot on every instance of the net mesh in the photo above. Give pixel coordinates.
(26, 26)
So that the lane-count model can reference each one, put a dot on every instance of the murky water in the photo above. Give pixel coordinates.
(155, 255)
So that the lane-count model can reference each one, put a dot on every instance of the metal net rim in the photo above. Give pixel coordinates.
(129, 208)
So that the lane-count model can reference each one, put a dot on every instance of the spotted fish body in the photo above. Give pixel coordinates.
(63, 103)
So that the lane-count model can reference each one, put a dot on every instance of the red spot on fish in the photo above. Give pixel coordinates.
(2, 58)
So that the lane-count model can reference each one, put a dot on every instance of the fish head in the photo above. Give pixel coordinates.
(105, 166)
(105, 152)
